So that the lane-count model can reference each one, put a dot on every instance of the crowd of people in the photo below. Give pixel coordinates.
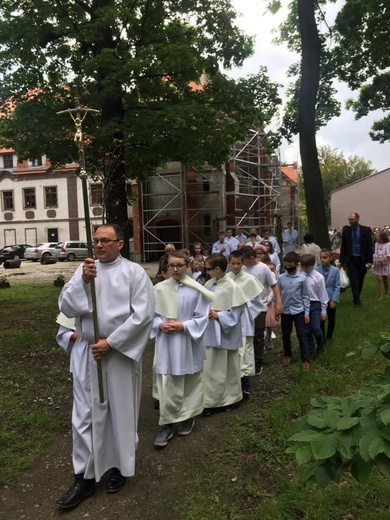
(211, 314)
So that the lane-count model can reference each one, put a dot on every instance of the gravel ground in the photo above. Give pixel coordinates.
(35, 272)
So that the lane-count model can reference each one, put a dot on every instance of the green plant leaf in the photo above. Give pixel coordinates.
(360, 469)
(304, 436)
(291, 449)
(328, 472)
(376, 447)
(369, 352)
(385, 416)
(274, 6)
(386, 347)
(385, 432)
(383, 464)
(331, 418)
(344, 446)
(303, 454)
(387, 449)
(364, 445)
(345, 423)
(324, 446)
(317, 402)
(322, 476)
(316, 419)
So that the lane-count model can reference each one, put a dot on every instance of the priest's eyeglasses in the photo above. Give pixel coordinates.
(176, 266)
(103, 241)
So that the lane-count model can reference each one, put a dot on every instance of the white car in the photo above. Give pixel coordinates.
(40, 251)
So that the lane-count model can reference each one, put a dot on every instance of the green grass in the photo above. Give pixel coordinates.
(250, 476)
(35, 389)
(246, 474)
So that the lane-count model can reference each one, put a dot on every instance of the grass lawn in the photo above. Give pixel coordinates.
(247, 474)
(35, 387)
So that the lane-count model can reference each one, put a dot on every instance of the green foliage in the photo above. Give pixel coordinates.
(354, 50)
(141, 65)
(348, 433)
(363, 60)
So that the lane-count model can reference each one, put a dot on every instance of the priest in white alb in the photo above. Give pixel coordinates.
(105, 434)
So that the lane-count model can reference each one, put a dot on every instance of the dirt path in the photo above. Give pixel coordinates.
(162, 476)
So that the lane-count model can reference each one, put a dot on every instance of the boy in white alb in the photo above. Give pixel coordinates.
(181, 318)
(252, 289)
(223, 338)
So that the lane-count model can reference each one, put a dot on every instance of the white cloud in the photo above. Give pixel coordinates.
(345, 133)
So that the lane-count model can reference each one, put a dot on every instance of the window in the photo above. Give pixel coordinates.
(37, 162)
(96, 194)
(51, 200)
(8, 201)
(8, 160)
(29, 198)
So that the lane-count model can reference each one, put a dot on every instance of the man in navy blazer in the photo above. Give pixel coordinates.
(356, 254)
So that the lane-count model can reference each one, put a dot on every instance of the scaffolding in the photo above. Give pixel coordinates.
(182, 205)
(253, 194)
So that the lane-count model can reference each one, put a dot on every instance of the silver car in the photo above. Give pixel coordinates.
(71, 250)
(35, 253)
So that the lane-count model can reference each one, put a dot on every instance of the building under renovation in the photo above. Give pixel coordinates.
(182, 205)
(178, 204)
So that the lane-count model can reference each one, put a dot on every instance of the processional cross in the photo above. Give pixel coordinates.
(78, 114)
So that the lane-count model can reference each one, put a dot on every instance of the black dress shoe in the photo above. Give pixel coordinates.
(115, 482)
(81, 489)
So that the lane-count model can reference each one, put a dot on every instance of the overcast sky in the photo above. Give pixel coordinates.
(345, 133)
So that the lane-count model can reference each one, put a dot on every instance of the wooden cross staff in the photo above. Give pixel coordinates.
(78, 115)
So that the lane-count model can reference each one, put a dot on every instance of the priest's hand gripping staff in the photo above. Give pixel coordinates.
(78, 115)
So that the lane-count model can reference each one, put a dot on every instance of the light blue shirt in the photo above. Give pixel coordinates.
(294, 293)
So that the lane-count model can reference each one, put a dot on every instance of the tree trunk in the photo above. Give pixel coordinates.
(310, 77)
(114, 192)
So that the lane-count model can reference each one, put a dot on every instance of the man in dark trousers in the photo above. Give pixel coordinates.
(356, 254)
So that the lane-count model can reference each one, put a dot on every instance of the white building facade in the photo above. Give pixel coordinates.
(38, 205)
(370, 197)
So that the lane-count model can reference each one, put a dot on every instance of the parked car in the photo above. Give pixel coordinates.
(10, 252)
(40, 251)
(71, 250)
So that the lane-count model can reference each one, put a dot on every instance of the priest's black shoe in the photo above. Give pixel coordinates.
(116, 481)
(81, 489)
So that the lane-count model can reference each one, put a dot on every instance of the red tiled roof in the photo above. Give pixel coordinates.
(291, 173)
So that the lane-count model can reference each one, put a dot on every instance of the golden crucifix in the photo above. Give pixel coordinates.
(78, 115)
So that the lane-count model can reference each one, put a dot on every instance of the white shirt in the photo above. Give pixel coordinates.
(315, 283)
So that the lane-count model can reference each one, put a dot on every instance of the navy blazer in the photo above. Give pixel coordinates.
(365, 242)
(332, 283)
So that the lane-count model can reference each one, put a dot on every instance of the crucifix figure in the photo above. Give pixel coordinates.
(78, 136)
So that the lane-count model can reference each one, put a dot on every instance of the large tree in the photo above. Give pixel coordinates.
(311, 102)
(362, 33)
(138, 61)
